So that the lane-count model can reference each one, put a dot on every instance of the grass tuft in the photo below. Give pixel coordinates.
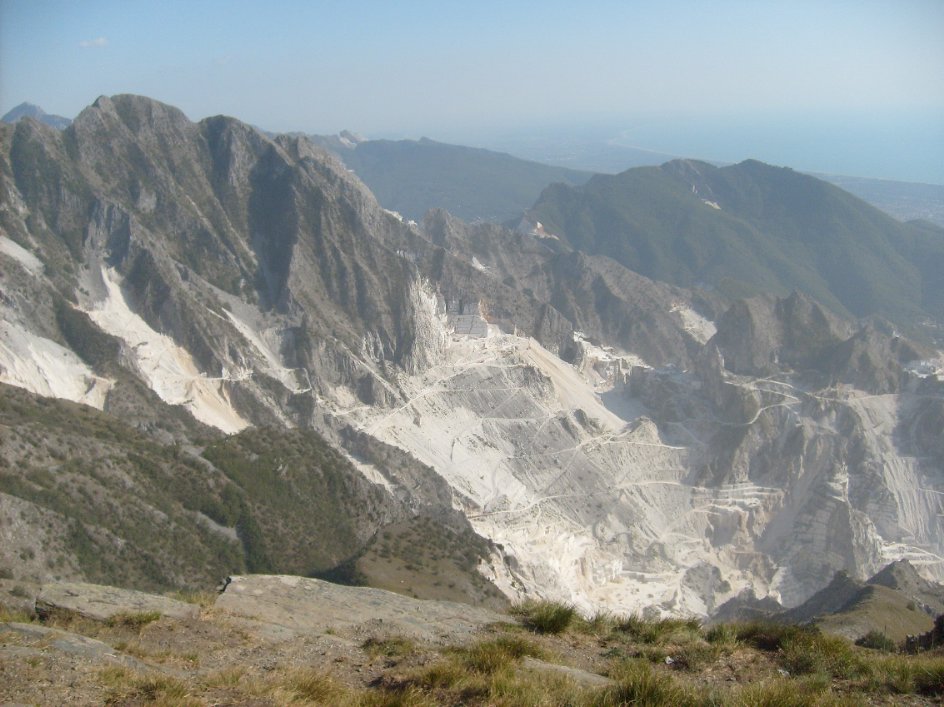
(781, 693)
(929, 677)
(545, 616)
(488, 657)
(16, 616)
(659, 631)
(135, 621)
(600, 623)
(639, 684)
(808, 652)
(391, 647)
(313, 685)
(126, 686)
(202, 598)
(723, 635)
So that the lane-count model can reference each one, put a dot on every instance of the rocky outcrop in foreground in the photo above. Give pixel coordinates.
(278, 639)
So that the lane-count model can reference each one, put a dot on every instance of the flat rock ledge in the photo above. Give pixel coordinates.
(581, 677)
(298, 605)
(33, 639)
(101, 603)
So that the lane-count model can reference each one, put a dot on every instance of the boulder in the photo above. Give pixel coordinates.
(99, 602)
(293, 606)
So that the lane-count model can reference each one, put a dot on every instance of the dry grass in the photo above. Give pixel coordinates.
(134, 621)
(16, 616)
(734, 664)
(391, 647)
(124, 686)
(637, 683)
(201, 597)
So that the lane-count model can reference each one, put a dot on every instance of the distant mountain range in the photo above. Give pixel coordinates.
(28, 110)
(413, 176)
(750, 228)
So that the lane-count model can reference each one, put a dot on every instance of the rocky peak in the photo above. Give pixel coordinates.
(873, 357)
(34, 112)
(903, 576)
(898, 575)
(762, 334)
(126, 118)
(441, 227)
(842, 590)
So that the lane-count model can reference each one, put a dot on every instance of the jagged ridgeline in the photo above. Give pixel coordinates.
(275, 374)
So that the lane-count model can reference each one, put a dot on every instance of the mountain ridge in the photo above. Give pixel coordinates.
(28, 110)
(414, 176)
(737, 228)
(596, 436)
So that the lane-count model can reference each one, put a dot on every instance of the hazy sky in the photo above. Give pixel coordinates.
(446, 69)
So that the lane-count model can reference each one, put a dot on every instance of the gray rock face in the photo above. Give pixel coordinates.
(595, 295)
(762, 335)
(289, 605)
(103, 602)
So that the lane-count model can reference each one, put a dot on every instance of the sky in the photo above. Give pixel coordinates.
(675, 76)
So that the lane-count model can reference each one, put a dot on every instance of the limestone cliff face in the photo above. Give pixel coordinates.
(210, 231)
(623, 442)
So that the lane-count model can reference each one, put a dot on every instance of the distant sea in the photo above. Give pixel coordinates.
(907, 148)
(902, 148)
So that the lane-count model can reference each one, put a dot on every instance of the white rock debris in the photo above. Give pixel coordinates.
(564, 470)
(168, 369)
(44, 367)
(265, 343)
(21, 255)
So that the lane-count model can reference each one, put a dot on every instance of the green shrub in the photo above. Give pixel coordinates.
(877, 641)
(768, 635)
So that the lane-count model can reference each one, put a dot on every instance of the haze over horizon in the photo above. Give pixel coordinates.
(839, 87)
